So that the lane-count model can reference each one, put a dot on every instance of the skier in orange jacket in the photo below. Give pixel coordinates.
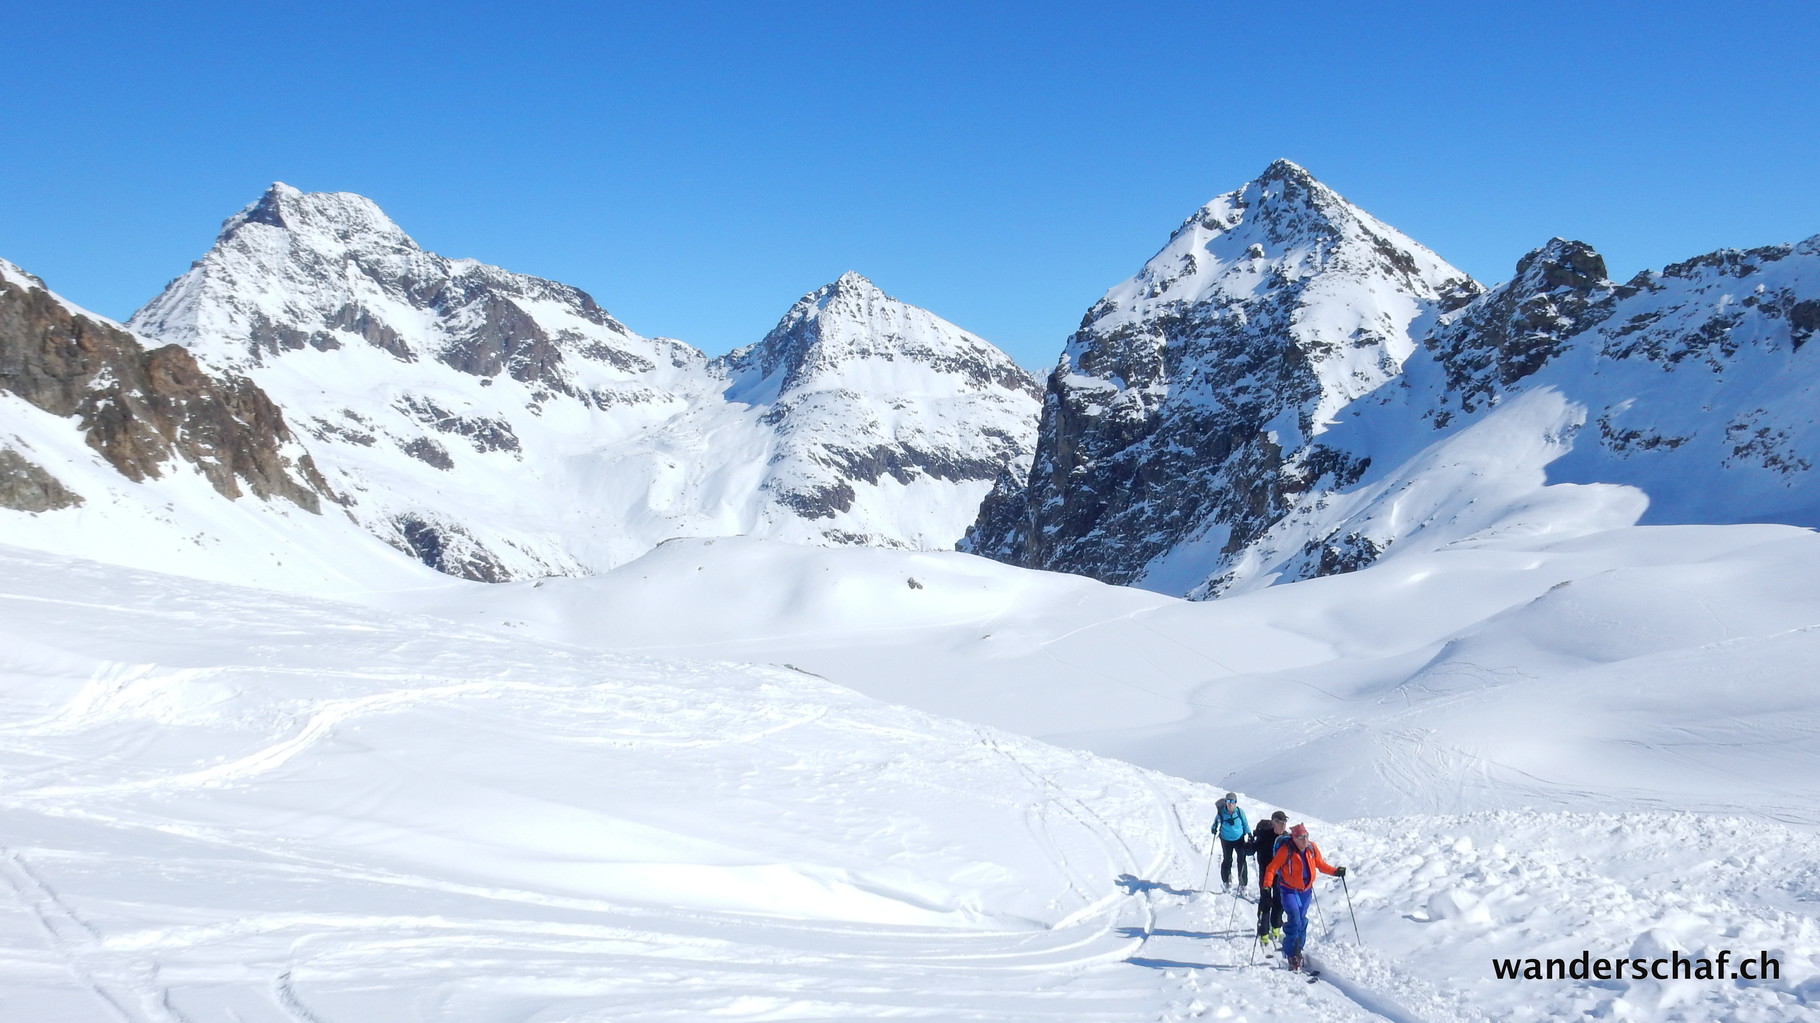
(1291, 871)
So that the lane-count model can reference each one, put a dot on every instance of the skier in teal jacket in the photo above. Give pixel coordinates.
(1235, 833)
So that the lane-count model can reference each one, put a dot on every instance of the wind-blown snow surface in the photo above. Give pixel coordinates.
(228, 805)
(224, 804)
(1601, 743)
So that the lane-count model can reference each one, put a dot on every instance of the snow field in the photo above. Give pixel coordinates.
(1599, 743)
(1641, 667)
(225, 804)
(233, 805)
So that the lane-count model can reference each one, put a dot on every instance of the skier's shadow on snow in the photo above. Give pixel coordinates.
(1164, 932)
(1171, 964)
(1133, 885)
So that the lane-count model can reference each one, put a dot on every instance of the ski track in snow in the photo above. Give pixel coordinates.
(154, 784)
(229, 805)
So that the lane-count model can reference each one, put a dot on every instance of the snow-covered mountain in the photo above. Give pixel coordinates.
(1187, 399)
(891, 423)
(1563, 402)
(497, 425)
(1291, 389)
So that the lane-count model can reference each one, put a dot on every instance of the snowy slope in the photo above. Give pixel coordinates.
(229, 805)
(1187, 400)
(224, 804)
(501, 426)
(1636, 667)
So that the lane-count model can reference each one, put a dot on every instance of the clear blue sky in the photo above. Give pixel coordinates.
(697, 166)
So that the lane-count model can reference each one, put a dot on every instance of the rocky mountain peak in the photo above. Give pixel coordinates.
(325, 221)
(851, 322)
(329, 270)
(1187, 399)
(1285, 187)
(1516, 328)
(1561, 264)
(1286, 171)
(869, 396)
(853, 283)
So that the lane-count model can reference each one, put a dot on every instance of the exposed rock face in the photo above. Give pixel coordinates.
(26, 486)
(860, 388)
(141, 409)
(1519, 326)
(1188, 399)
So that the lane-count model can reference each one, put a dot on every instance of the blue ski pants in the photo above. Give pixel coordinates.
(1295, 909)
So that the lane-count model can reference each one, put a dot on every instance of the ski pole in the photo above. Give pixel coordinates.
(1355, 917)
(1257, 939)
(1208, 879)
(1233, 916)
(1316, 900)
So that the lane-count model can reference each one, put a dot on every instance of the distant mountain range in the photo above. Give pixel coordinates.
(1290, 388)
(498, 426)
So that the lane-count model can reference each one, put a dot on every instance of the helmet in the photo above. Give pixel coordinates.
(1232, 797)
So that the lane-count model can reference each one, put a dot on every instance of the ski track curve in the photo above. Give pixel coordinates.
(196, 915)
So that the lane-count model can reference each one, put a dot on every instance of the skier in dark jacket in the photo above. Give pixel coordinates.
(1270, 831)
(1232, 827)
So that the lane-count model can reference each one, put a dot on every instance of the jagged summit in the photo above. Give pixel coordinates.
(852, 289)
(1561, 262)
(1284, 226)
(324, 220)
(1286, 170)
(864, 389)
(853, 280)
(850, 322)
(327, 270)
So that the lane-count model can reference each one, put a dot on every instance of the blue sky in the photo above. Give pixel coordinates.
(697, 166)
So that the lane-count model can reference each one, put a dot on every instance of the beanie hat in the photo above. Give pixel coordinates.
(1299, 831)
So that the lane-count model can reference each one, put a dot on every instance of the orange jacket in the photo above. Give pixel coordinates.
(1293, 865)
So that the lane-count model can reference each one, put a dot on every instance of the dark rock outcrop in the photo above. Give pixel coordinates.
(26, 486)
(143, 409)
(1517, 327)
